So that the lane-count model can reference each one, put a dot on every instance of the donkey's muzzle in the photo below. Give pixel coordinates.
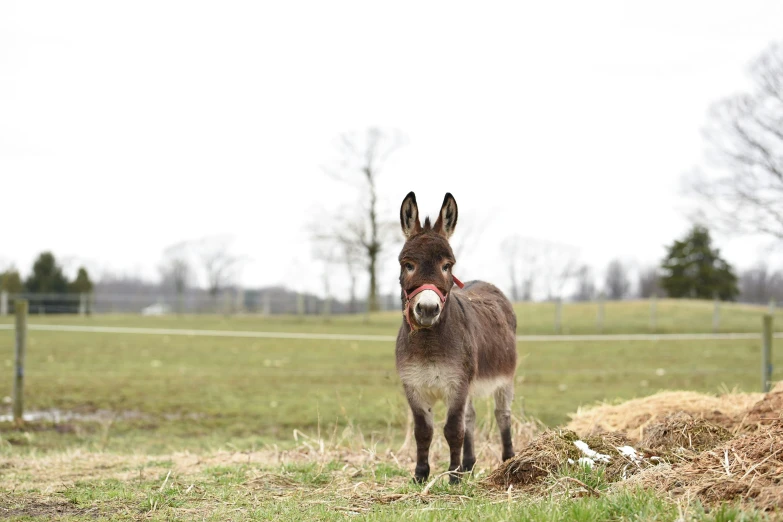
(427, 311)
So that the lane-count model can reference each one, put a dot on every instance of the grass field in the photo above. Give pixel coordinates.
(150, 401)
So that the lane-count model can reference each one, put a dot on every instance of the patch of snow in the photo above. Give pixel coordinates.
(629, 452)
(584, 448)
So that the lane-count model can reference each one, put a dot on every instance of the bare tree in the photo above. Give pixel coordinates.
(649, 283)
(558, 265)
(585, 284)
(467, 238)
(363, 156)
(218, 263)
(759, 284)
(353, 263)
(550, 265)
(510, 248)
(745, 141)
(617, 283)
(175, 270)
(521, 258)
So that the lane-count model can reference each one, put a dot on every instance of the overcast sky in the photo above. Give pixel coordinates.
(127, 126)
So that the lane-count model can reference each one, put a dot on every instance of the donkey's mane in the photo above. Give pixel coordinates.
(427, 225)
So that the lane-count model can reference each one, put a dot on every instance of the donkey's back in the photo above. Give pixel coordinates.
(492, 325)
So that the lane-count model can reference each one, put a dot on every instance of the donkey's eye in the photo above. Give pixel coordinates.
(446, 267)
(409, 267)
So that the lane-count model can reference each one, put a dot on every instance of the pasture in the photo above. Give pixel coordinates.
(218, 428)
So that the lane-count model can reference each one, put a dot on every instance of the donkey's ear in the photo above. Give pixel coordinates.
(409, 215)
(447, 219)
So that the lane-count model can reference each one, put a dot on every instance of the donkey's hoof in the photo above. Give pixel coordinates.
(454, 478)
(467, 465)
(419, 479)
(507, 456)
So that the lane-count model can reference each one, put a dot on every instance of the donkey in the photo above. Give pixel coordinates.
(453, 344)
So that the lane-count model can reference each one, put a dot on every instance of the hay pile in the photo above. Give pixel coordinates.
(716, 449)
(765, 412)
(682, 432)
(553, 449)
(634, 416)
(748, 467)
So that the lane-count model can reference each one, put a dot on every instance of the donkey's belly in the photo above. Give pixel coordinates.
(486, 387)
(433, 382)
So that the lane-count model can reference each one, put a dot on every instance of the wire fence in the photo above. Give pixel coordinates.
(274, 302)
(558, 317)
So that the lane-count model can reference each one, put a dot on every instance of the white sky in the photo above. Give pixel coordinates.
(127, 126)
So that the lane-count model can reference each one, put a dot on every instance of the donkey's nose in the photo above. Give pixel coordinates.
(427, 310)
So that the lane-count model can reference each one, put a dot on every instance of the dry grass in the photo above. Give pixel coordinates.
(633, 417)
(681, 456)
(680, 432)
(350, 448)
(681, 452)
(748, 468)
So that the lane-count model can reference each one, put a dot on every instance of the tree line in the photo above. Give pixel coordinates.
(692, 267)
(45, 277)
(57, 293)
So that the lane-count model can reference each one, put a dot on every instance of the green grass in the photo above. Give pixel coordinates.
(313, 492)
(172, 392)
(158, 396)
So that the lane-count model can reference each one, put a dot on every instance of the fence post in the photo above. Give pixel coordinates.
(771, 306)
(267, 306)
(239, 300)
(327, 310)
(558, 315)
(82, 304)
(599, 320)
(653, 306)
(716, 316)
(766, 355)
(20, 307)
(300, 304)
(3, 303)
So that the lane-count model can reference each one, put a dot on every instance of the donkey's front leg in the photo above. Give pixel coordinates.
(422, 430)
(454, 431)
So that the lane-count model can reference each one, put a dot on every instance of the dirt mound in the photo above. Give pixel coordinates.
(747, 467)
(633, 417)
(554, 449)
(716, 449)
(766, 411)
(682, 431)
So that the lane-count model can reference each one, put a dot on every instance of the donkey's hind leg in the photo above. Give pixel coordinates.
(468, 457)
(504, 395)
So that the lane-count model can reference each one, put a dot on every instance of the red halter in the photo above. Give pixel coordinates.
(408, 297)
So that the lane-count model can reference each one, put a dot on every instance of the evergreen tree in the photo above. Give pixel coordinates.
(693, 268)
(11, 282)
(47, 276)
(82, 283)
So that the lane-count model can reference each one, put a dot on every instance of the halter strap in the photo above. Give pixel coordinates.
(408, 297)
